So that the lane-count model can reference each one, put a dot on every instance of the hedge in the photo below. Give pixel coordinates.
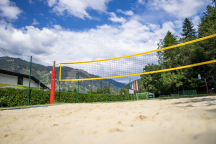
(10, 97)
(70, 97)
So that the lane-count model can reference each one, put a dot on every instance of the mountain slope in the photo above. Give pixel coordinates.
(42, 73)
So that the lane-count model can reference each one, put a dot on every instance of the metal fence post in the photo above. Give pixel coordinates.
(91, 91)
(29, 81)
(78, 88)
(128, 90)
(59, 91)
(101, 90)
(110, 91)
(117, 91)
(123, 92)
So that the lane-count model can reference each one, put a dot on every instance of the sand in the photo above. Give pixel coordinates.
(174, 121)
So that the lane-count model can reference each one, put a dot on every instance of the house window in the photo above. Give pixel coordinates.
(20, 80)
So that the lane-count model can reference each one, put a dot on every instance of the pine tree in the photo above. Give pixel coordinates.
(207, 27)
(169, 56)
(169, 39)
(188, 29)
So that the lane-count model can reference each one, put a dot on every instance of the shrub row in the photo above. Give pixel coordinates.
(19, 97)
(70, 97)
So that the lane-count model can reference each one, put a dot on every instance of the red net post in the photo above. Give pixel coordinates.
(52, 91)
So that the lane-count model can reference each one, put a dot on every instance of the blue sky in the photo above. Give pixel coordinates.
(80, 30)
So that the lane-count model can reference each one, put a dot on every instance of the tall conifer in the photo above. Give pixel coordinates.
(188, 29)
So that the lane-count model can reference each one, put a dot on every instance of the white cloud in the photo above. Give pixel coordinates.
(168, 26)
(57, 27)
(9, 10)
(178, 23)
(35, 22)
(195, 22)
(141, 1)
(104, 41)
(178, 8)
(78, 8)
(114, 18)
(130, 13)
(154, 27)
(132, 35)
(51, 2)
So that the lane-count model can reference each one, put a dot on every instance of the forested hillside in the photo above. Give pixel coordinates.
(43, 74)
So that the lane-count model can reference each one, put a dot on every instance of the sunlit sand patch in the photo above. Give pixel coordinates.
(151, 121)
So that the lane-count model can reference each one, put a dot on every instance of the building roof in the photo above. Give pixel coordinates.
(24, 76)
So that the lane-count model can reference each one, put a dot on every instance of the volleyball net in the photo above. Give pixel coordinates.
(168, 59)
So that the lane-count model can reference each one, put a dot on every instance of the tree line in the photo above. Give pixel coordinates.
(184, 79)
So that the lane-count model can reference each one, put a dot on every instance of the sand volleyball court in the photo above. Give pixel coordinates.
(175, 121)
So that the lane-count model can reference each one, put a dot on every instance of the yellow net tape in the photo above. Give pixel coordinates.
(144, 73)
(134, 74)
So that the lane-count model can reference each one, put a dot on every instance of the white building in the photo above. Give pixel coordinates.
(17, 80)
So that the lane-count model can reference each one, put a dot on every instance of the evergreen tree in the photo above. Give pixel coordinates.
(168, 57)
(75, 90)
(208, 25)
(206, 49)
(169, 40)
(168, 82)
(185, 79)
(188, 29)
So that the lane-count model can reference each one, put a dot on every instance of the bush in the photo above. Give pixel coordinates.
(39, 97)
(142, 96)
(11, 97)
(71, 97)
